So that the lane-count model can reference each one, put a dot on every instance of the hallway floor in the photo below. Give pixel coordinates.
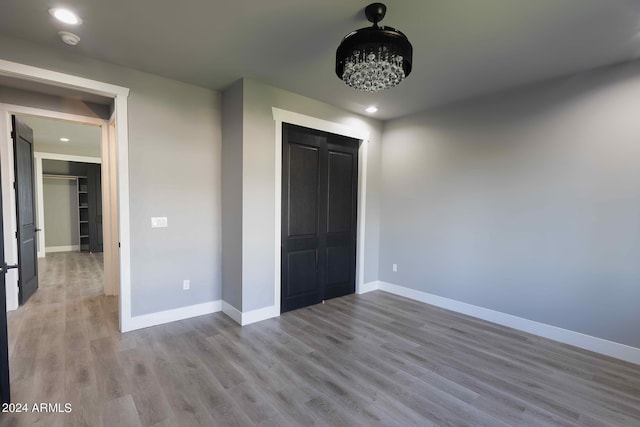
(50, 336)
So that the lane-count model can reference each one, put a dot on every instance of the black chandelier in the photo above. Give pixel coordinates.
(374, 58)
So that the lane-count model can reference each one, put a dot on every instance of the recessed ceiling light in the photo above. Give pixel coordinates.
(64, 139)
(65, 15)
(372, 109)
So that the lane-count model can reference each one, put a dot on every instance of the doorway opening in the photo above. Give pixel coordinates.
(83, 161)
(68, 298)
(69, 180)
(87, 92)
(43, 86)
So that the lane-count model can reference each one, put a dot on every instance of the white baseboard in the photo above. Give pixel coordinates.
(259, 315)
(232, 312)
(368, 287)
(577, 339)
(249, 317)
(154, 319)
(72, 248)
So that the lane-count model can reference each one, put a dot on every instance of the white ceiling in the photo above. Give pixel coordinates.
(462, 48)
(47, 132)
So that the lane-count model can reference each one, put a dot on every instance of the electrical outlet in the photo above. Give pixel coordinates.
(186, 285)
(394, 267)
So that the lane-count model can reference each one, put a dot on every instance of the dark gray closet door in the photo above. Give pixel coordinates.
(319, 193)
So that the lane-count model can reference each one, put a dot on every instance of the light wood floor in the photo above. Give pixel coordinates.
(375, 359)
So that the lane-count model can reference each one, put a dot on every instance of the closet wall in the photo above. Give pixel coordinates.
(61, 215)
(61, 211)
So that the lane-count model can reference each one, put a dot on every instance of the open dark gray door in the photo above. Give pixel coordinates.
(25, 210)
(5, 391)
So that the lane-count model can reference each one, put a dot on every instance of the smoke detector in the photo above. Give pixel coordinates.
(69, 38)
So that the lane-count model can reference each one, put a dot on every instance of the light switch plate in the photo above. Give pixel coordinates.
(159, 222)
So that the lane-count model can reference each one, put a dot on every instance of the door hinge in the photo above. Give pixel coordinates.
(118, 244)
(16, 233)
(13, 134)
(14, 185)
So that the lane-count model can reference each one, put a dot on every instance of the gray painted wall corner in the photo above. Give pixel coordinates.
(232, 169)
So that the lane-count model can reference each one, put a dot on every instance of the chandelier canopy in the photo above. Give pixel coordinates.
(374, 58)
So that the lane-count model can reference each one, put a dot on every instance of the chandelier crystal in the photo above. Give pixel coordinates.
(371, 72)
(375, 58)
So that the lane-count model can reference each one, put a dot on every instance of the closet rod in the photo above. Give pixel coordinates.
(68, 177)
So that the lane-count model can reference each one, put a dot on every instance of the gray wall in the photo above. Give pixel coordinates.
(87, 151)
(232, 195)
(60, 213)
(174, 171)
(25, 98)
(258, 202)
(527, 203)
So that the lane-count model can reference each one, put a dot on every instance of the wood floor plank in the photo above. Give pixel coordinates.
(87, 406)
(152, 407)
(111, 378)
(121, 412)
